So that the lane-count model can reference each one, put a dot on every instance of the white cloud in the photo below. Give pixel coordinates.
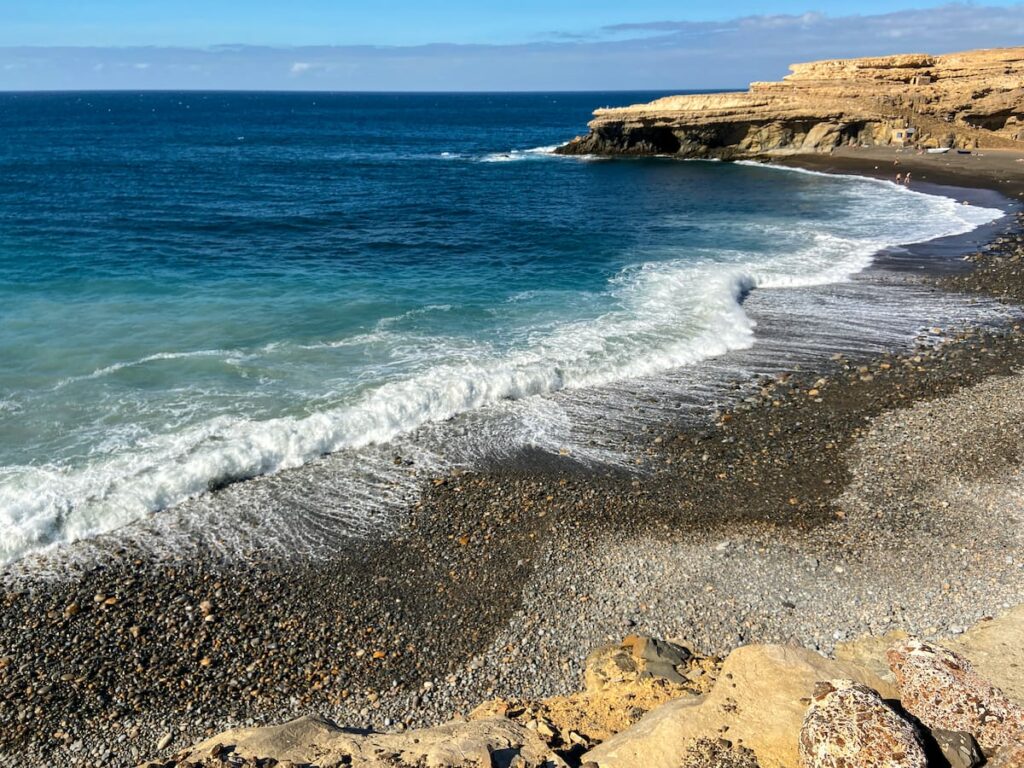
(664, 56)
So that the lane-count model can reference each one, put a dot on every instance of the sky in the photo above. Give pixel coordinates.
(465, 44)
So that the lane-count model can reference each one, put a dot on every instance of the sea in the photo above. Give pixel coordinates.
(275, 315)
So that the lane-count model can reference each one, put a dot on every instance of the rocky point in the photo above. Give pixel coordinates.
(971, 99)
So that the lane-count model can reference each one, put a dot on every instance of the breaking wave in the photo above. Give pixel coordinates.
(657, 315)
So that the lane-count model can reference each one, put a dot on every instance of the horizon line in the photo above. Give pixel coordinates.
(302, 91)
(16, 91)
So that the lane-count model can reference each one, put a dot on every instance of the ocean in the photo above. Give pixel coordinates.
(201, 288)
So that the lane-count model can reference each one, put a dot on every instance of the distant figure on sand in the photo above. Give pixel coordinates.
(899, 178)
(906, 179)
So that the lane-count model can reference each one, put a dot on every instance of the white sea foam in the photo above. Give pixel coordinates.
(514, 155)
(113, 368)
(664, 314)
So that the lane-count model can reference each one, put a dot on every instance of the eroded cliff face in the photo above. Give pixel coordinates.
(972, 99)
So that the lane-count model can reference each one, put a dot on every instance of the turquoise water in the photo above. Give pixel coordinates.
(199, 288)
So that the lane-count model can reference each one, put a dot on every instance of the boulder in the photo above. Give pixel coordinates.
(995, 649)
(941, 689)
(636, 658)
(759, 703)
(992, 645)
(848, 724)
(315, 740)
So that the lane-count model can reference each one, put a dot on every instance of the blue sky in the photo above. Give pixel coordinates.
(463, 44)
(378, 22)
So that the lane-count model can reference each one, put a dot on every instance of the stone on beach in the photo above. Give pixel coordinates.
(958, 747)
(763, 707)
(849, 725)
(637, 657)
(940, 688)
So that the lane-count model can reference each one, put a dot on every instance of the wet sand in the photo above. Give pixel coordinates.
(759, 525)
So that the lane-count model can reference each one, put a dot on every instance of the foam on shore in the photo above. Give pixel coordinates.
(658, 315)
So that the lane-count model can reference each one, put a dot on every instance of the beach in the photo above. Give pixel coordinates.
(867, 494)
(997, 169)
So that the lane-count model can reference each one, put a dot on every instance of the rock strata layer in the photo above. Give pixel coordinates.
(971, 99)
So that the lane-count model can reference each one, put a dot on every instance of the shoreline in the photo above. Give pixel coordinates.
(189, 516)
(998, 170)
(584, 551)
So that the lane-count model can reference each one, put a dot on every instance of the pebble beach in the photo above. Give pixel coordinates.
(818, 505)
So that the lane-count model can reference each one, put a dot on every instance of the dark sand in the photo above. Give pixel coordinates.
(1001, 170)
(95, 669)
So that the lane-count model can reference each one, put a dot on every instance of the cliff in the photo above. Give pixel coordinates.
(971, 99)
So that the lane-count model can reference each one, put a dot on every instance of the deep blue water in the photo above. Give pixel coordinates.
(198, 287)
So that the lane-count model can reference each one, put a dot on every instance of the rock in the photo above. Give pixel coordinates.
(848, 724)
(1008, 756)
(869, 651)
(653, 650)
(319, 741)
(621, 687)
(973, 96)
(759, 702)
(995, 649)
(609, 664)
(717, 753)
(942, 690)
(544, 730)
(164, 741)
(578, 739)
(958, 747)
(662, 669)
(637, 657)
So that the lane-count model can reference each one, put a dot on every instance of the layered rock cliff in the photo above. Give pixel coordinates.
(971, 99)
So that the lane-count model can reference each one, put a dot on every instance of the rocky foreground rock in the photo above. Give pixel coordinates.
(849, 723)
(891, 702)
(971, 99)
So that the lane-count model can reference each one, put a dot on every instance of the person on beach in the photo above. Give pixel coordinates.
(899, 178)
(906, 179)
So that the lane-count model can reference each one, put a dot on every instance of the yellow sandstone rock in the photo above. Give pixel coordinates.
(966, 99)
(759, 702)
(315, 740)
